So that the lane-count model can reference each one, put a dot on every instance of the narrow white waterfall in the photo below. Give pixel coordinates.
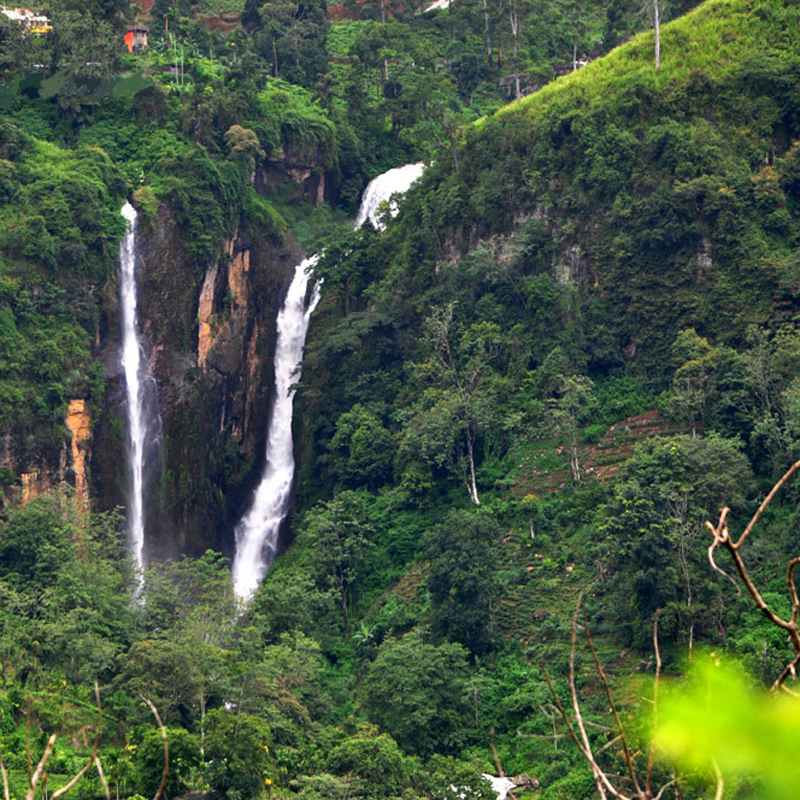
(257, 532)
(136, 375)
(379, 190)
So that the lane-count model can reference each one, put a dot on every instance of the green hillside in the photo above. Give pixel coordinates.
(576, 343)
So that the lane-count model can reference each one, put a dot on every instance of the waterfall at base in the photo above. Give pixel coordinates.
(139, 384)
(257, 532)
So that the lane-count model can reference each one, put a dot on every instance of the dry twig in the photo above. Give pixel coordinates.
(604, 782)
(722, 537)
(163, 785)
(6, 793)
(64, 789)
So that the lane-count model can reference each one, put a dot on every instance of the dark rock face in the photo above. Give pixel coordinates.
(210, 332)
(300, 170)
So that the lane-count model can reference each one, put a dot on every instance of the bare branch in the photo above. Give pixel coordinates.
(722, 537)
(64, 789)
(102, 777)
(163, 785)
(607, 783)
(564, 716)
(767, 500)
(600, 777)
(609, 744)
(789, 669)
(651, 757)
(37, 773)
(625, 749)
(28, 740)
(713, 547)
(499, 765)
(720, 782)
(664, 789)
(793, 589)
(6, 793)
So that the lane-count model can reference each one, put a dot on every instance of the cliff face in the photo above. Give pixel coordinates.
(210, 333)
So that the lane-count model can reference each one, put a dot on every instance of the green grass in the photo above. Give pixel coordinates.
(221, 6)
(715, 38)
(342, 35)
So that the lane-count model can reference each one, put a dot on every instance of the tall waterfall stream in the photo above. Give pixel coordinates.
(143, 422)
(257, 533)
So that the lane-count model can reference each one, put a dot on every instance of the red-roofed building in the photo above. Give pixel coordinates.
(136, 38)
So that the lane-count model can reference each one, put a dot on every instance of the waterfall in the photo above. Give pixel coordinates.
(257, 532)
(379, 190)
(139, 383)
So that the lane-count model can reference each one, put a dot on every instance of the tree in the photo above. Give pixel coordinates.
(375, 759)
(693, 382)
(514, 23)
(638, 781)
(36, 543)
(339, 534)
(448, 778)
(90, 46)
(295, 34)
(115, 12)
(184, 760)
(238, 760)
(686, 480)
(414, 691)
(19, 50)
(657, 29)
(771, 371)
(242, 143)
(284, 681)
(364, 449)
(459, 404)
(462, 582)
(572, 401)
(164, 671)
(578, 14)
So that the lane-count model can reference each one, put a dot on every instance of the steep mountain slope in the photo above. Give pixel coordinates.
(667, 198)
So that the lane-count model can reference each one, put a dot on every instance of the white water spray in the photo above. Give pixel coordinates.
(257, 532)
(380, 190)
(136, 375)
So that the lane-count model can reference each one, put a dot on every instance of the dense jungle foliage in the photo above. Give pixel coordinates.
(574, 345)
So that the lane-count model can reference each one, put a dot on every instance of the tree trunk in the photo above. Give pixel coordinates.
(574, 462)
(513, 18)
(657, 25)
(203, 725)
(473, 485)
(486, 32)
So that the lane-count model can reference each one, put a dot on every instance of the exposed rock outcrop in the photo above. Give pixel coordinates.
(211, 332)
(79, 422)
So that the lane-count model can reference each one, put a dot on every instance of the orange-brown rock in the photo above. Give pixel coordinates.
(79, 421)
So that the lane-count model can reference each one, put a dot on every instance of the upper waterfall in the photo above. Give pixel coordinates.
(380, 190)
